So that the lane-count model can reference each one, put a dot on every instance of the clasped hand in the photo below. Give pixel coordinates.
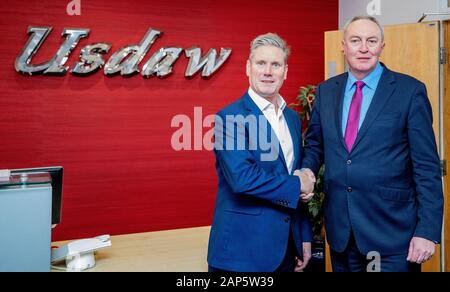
(307, 181)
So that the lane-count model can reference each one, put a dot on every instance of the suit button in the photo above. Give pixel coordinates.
(349, 162)
(349, 189)
(287, 219)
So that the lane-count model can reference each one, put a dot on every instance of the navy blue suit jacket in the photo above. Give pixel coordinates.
(257, 203)
(388, 188)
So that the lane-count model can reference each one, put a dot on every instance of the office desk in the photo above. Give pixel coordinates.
(180, 250)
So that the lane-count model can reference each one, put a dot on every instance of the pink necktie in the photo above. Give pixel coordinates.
(353, 116)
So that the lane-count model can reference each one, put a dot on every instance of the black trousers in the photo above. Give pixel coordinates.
(352, 260)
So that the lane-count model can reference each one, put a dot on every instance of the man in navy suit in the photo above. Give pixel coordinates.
(372, 128)
(260, 220)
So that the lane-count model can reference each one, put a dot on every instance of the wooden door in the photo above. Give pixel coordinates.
(446, 142)
(412, 49)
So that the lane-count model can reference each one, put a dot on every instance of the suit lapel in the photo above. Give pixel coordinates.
(384, 91)
(339, 104)
(252, 108)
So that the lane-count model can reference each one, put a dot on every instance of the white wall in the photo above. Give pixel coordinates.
(392, 11)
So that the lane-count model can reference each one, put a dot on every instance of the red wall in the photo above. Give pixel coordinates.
(112, 134)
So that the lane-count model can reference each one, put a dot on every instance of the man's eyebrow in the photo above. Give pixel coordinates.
(360, 37)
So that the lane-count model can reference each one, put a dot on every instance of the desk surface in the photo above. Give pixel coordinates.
(180, 250)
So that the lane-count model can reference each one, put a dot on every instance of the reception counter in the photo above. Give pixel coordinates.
(180, 250)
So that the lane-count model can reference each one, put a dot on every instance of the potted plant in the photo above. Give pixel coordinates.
(303, 105)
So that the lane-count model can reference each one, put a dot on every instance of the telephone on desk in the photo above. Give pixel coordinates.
(79, 254)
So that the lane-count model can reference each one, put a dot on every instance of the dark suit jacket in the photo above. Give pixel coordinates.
(257, 201)
(388, 189)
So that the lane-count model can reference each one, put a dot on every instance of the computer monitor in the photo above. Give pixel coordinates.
(56, 173)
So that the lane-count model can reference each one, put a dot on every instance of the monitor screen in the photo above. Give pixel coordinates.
(56, 172)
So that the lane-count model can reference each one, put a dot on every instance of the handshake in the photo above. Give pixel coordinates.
(307, 181)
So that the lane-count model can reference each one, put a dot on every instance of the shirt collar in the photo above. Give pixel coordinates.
(370, 80)
(263, 103)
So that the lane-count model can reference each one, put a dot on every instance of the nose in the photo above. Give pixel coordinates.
(364, 48)
(267, 70)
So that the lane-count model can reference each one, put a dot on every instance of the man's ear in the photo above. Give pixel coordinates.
(247, 68)
(285, 72)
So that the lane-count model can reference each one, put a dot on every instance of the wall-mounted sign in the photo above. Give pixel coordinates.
(124, 61)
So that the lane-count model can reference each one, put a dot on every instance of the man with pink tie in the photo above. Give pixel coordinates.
(372, 128)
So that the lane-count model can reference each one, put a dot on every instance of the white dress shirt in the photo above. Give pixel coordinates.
(278, 124)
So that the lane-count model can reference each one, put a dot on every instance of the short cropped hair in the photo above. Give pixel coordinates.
(364, 17)
(270, 39)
